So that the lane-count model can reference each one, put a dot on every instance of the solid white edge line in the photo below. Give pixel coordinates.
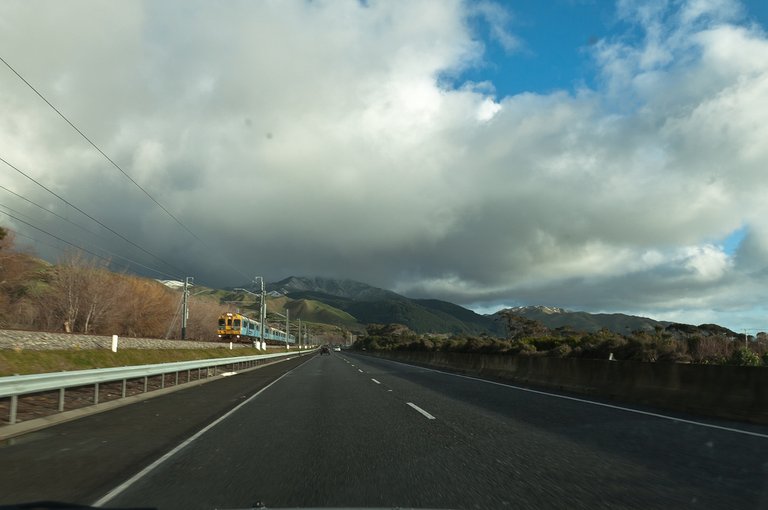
(585, 401)
(374, 380)
(135, 478)
(359, 370)
(422, 411)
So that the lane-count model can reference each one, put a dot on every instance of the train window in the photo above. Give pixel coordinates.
(237, 323)
(229, 322)
(222, 323)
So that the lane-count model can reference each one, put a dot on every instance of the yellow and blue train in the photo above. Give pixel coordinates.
(238, 327)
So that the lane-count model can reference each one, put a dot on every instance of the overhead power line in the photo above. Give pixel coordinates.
(55, 236)
(98, 149)
(92, 218)
(111, 254)
(127, 176)
(49, 211)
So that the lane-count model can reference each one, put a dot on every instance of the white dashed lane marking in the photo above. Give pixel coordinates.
(422, 411)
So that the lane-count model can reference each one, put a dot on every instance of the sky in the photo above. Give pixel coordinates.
(592, 155)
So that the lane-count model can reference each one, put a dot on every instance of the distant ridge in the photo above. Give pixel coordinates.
(553, 318)
(345, 288)
(538, 308)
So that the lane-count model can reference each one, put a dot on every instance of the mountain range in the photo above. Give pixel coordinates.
(372, 305)
(354, 304)
(554, 318)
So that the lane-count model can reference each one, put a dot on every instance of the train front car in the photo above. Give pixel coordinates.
(232, 326)
(239, 328)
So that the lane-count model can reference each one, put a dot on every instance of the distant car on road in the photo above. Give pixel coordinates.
(337, 349)
(325, 350)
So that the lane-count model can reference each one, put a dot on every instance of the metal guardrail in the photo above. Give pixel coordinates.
(18, 385)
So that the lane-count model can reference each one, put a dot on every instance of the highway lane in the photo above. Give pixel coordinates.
(350, 430)
(81, 460)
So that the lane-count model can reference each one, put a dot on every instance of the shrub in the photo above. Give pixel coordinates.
(745, 357)
(561, 351)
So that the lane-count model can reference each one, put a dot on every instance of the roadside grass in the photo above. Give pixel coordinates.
(21, 362)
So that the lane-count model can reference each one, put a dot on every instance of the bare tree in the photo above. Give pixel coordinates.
(203, 317)
(98, 297)
(144, 307)
(65, 293)
(81, 294)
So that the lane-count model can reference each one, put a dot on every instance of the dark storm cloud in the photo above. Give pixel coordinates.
(315, 138)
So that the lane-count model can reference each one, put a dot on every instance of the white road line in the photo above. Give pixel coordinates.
(374, 380)
(592, 402)
(422, 411)
(359, 370)
(144, 472)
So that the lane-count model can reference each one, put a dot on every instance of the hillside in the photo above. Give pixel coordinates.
(371, 305)
(476, 322)
(554, 318)
(343, 288)
(319, 312)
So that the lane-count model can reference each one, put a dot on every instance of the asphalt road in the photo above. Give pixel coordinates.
(347, 430)
(80, 461)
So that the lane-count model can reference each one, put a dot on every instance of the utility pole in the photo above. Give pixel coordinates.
(262, 311)
(263, 308)
(260, 344)
(287, 326)
(299, 337)
(185, 310)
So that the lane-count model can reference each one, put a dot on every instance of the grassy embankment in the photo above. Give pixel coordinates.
(36, 362)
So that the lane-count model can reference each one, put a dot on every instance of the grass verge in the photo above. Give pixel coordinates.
(37, 362)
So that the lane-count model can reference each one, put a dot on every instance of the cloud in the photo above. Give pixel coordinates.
(498, 19)
(318, 138)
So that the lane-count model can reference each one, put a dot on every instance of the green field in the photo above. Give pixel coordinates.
(35, 362)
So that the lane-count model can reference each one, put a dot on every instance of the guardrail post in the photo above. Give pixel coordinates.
(61, 400)
(177, 378)
(96, 393)
(189, 375)
(162, 381)
(125, 383)
(14, 407)
(146, 381)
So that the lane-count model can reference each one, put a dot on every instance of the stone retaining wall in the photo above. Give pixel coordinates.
(37, 340)
(722, 391)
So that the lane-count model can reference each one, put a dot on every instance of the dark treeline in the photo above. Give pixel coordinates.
(706, 344)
